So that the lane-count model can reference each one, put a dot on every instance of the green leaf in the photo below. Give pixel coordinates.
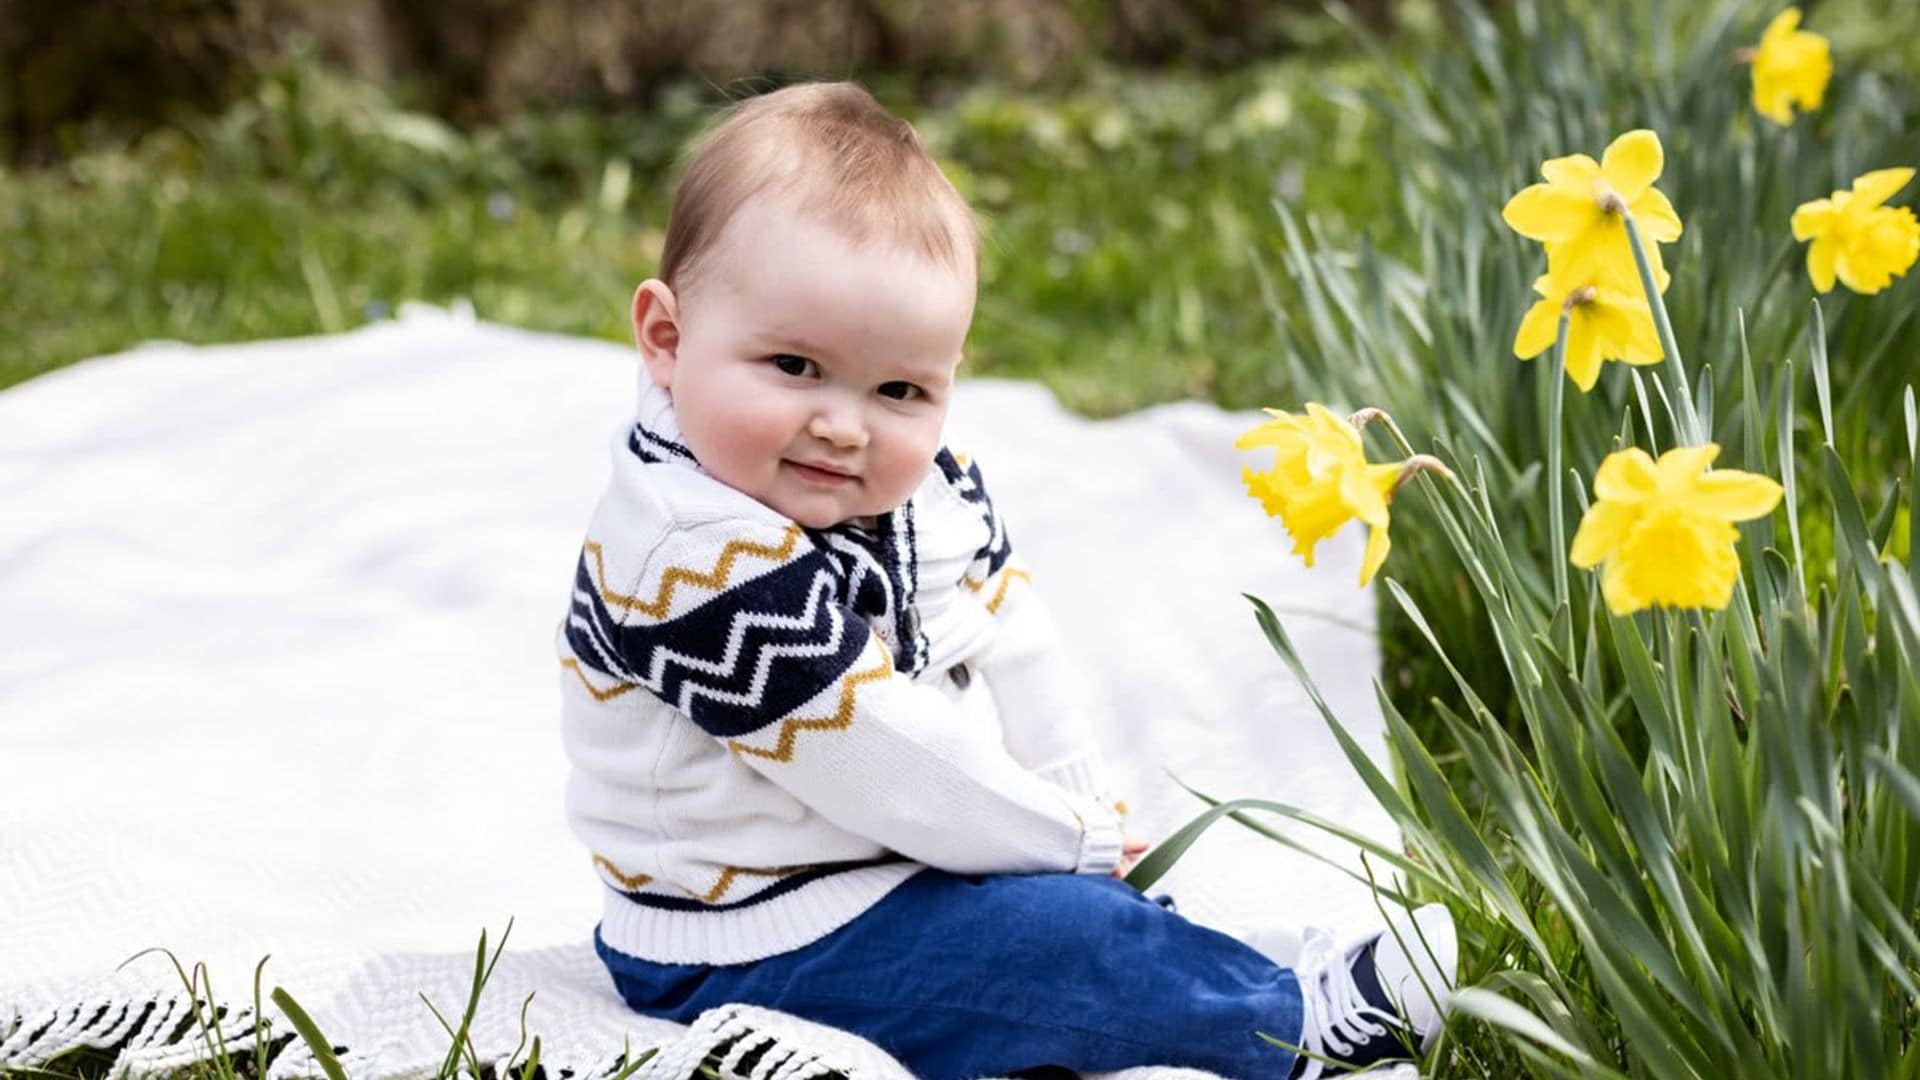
(1504, 1013)
(1158, 861)
(1881, 530)
(310, 1034)
(1817, 343)
(1852, 527)
(1784, 418)
(1913, 428)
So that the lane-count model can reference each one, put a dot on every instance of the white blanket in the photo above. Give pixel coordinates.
(276, 676)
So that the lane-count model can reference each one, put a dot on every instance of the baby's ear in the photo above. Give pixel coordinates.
(656, 330)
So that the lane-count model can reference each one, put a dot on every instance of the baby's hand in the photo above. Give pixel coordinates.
(1130, 852)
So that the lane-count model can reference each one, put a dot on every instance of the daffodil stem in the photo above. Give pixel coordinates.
(1685, 418)
(1446, 475)
(1557, 553)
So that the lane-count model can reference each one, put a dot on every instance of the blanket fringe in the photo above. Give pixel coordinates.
(166, 1032)
(147, 1034)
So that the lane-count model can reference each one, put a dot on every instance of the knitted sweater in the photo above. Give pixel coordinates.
(770, 727)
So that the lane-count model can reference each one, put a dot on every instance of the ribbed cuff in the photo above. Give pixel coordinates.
(1099, 837)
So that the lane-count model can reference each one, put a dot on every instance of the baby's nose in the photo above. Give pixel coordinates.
(841, 427)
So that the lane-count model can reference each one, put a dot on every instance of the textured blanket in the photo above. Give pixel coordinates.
(276, 677)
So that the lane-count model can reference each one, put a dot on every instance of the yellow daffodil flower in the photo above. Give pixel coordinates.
(1665, 529)
(1576, 213)
(1790, 67)
(1855, 238)
(1603, 323)
(1320, 481)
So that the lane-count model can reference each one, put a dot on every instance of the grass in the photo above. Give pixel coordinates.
(1122, 219)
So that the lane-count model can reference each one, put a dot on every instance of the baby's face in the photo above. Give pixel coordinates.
(812, 373)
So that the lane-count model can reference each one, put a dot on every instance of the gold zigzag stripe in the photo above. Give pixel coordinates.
(720, 887)
(608, 694)
(1006, 580)
(715, 579)
(631, 881)
(840, 719)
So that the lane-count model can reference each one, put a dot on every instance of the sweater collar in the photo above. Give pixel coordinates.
(656, 431)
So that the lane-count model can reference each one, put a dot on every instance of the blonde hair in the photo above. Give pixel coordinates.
(849, 161)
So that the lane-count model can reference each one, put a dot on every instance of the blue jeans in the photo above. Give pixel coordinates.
(962, 977)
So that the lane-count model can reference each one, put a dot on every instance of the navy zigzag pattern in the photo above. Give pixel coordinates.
(737, 662)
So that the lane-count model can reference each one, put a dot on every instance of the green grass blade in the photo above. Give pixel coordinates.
(309, 1033)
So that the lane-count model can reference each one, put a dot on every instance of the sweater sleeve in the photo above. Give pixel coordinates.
(1041, 701)
(737, 625)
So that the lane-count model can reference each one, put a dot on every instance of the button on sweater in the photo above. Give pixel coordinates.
(763, 733)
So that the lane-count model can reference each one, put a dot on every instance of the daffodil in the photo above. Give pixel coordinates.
(1321, 480)
(1603, 323)
(1577, 213)
(1665, 529)
(1866, 245)
(1791, 67)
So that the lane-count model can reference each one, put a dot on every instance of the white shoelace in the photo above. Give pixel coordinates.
(1335, 1017)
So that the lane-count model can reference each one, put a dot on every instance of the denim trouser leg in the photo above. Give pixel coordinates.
(962, 977)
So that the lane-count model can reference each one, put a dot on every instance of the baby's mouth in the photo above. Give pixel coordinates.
(820, 474)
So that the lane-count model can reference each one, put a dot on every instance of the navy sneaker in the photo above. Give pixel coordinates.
(1381, 998)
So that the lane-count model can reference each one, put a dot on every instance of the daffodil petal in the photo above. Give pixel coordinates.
(1780, 27)
(1878, 186)
(1270, 433)
(1538, 330)
(1654, 213)
(1733, 495)
(1363, 498)
(1810, 79)
(1548, 213)
(1814, 218)
(1333, 424)
(1625, 476)
(1583, 351)
(1772, 100)
(1820, 263)
(1575, 171)
(1602, 530)
(1643, 338)
(1378, 545)
(1633, 162)
(1680, 467)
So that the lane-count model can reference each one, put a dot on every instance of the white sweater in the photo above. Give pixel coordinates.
(771, 727)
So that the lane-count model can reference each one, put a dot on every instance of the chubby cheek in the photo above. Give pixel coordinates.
(908, 458)
(736, 443)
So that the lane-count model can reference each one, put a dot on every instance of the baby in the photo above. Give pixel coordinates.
(825, 755)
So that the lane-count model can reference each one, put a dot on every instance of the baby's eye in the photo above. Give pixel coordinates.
(797, 366)
(901, 391)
